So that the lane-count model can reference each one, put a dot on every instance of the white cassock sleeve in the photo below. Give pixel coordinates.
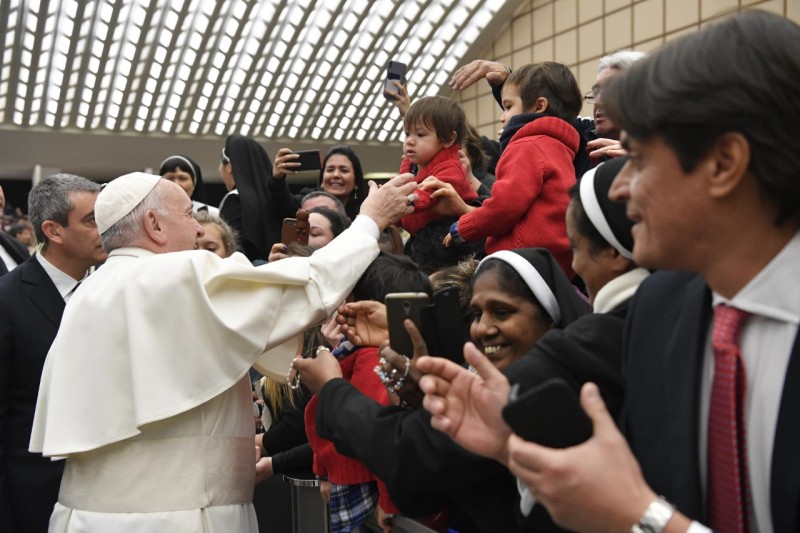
(149, 336)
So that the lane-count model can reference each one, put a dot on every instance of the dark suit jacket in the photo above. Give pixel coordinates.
(30, 312)
(664, 343)
(15, 249)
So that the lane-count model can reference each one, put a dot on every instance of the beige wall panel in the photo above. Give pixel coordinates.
(713, 8)
(470, 110)
(543, 51)
(488, 131)
(618, 30)
(773, 6)
(612, 5)
(566, 15)
(590, 40)
(502, 45)
(793, 10)
(539, 3)
(521, 29)
(543, 23)
(648, 20)
(486, 105)
(587, 72)
(589, 10)
(566, 51)
(678, 34)
(522, 57)
(651, 45)
(681, 14)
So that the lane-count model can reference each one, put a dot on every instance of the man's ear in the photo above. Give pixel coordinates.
(152, 227)
(540, 105)
(451, 141)
(730, 157)
(52, 231)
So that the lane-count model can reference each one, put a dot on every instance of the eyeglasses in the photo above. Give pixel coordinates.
(592, 95)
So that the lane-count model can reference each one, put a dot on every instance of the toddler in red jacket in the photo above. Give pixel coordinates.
(354, 490)
(434, 127)
(535, 172)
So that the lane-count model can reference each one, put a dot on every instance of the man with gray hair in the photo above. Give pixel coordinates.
(32, 300)
(153, 410)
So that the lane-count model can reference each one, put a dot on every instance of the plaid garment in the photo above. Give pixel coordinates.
(351, 505)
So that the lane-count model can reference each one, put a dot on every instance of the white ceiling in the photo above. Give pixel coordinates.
(286, 72)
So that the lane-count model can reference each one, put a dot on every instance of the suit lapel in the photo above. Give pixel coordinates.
(684, 368)
(41, 291)
(785, 475)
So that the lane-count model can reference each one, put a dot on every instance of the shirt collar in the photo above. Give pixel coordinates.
(775, 291)
(64, 282)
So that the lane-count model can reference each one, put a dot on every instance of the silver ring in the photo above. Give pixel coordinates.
(410, 199)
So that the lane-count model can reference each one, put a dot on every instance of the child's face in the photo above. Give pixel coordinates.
(512, 103)
(421, 144)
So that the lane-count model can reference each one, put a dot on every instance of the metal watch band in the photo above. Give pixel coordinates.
(655, 518)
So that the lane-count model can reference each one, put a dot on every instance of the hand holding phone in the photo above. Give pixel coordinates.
(296, 229)
(395, 71)
(549, 414)
(399, 307)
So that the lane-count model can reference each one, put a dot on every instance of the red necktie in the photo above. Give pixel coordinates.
(728, 483)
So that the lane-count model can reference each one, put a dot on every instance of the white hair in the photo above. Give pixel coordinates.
(620, 60)
(129, 229)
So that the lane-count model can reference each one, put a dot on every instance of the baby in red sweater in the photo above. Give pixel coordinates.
(434, 127)
(354, 490)
(535, 172)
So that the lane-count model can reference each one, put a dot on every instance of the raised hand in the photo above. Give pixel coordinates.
(364, 322)
(468, 406)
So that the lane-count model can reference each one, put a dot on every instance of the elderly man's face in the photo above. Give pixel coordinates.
(180, 226)
(603, 126)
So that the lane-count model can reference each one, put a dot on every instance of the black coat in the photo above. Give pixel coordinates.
(30, 313)
(15, 249)
(425, 470)
(664, 350)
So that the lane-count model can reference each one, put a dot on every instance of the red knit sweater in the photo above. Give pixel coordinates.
(358, 369)
(447, 167)
(529, 200)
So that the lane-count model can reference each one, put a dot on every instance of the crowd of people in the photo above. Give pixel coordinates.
(160, 356)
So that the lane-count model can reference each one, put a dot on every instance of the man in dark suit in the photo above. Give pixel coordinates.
(713, 187)
(32, 299)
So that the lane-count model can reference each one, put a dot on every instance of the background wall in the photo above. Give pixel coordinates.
(579, 32)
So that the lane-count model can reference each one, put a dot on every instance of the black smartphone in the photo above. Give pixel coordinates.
(442, 326)
(309, 160)
(399, 307)
(395, 71)
(549, 414)
(296, 229)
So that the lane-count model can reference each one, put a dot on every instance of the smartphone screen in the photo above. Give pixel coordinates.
(399, 307)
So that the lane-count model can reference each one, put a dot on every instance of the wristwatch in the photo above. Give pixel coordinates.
(655, 518)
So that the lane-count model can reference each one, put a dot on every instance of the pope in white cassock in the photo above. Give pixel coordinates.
(157, 426)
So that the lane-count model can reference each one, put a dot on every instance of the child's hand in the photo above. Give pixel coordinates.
(447, 200)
